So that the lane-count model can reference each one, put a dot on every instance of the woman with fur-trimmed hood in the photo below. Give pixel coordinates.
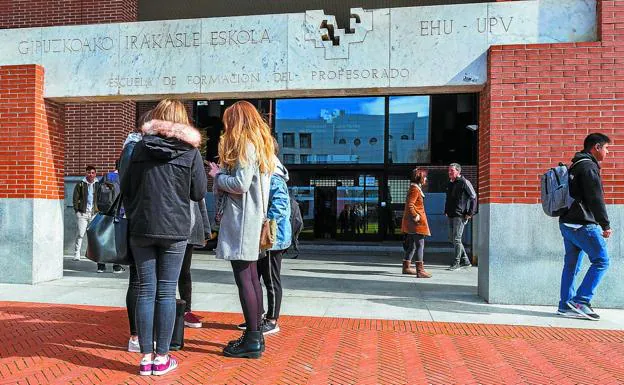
(166, 172)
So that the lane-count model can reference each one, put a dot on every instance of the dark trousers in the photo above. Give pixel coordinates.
(269, 269)
(185, 284)
(102, 266)
(456, 232)
(158, 263)
(249, 292)
(131, 299)
(414, 246)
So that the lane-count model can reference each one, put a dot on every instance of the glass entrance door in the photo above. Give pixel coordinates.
(357, 209)
(341, 205)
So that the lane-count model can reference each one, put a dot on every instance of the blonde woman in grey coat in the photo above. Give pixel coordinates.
(242, 181)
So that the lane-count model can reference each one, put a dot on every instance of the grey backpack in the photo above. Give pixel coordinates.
(555, 189)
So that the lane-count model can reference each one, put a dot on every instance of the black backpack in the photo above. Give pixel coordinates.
(108, 190)
(296, 223)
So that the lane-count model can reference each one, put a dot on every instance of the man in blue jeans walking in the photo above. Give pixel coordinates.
(584, 228)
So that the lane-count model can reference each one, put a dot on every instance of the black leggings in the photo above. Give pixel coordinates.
(249, 292)
(131, 299)
(185, 285)
(269, 269)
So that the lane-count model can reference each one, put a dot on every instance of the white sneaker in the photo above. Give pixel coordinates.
(133, 346)
(76, 259)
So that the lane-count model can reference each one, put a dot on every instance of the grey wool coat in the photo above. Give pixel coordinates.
(243, 209)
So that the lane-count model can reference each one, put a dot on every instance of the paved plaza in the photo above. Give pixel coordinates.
(323, 283)
(348, 319)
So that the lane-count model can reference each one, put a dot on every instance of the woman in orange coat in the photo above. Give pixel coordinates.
(415, 225)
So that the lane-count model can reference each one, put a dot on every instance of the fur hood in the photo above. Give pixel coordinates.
(178, 131)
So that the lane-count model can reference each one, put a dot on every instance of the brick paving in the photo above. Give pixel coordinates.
(68, 344)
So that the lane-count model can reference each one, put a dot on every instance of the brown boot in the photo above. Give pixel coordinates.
(408, 269)
(421, 272)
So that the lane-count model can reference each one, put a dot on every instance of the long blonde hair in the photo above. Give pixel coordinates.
(244, 125)
(171, 110)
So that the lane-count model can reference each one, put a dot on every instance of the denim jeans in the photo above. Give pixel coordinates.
(578, 242)
(456, 232)
(158, 263)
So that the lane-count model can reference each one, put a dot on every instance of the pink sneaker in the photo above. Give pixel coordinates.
(145, 367)
(163, 365)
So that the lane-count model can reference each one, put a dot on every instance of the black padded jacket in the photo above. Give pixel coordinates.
(165, 173)
(586, 189)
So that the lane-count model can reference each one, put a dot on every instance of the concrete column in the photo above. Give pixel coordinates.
(31, 178)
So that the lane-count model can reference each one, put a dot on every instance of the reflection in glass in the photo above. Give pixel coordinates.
(356, 207)
(304, 196)
(305, 140)
(288, 140)
(331, 130)
(409, 121)
(288, 158)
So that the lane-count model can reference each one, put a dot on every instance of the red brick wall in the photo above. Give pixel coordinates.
(45, 13)
(32, 140)
(95, 132)
(540, 103)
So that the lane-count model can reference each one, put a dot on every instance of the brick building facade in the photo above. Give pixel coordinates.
(539, 102)
(538, 105)
(93, 131)
(542, 100)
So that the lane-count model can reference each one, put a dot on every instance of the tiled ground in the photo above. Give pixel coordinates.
(69, 344)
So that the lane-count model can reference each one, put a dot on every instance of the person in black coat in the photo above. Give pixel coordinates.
(166, 172)
(460, 206)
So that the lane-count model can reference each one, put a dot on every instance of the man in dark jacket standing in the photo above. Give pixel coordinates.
(584, 228)
(85, 206)
(459, 207)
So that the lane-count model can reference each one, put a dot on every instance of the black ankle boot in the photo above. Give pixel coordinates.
(250, 346)
(238, 340)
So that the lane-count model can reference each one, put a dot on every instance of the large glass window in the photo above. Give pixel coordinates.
(288, 140)
(332, 130)
(409, 123)
(305, 140)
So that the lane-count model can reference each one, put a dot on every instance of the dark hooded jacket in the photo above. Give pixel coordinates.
(586, 189)
(461, 198)
(166, 171)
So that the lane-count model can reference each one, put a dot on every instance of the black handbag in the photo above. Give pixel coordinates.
(107, 237)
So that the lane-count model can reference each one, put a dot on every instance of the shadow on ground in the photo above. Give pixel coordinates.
(353, 275)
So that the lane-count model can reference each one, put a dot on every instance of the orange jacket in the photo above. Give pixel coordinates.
(415, 204)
